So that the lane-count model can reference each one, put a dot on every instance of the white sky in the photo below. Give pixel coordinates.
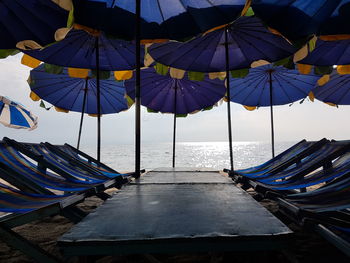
(308, 120)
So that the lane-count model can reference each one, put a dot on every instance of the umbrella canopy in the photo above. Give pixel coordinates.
(297, 19)
(248, 41)
(91, 50)
(287, 86)
(68, 93)
(328, 53)
(336, 91)
(271, 85)
(14, 115)
(165, 94)
(159, 92)
(78, 94)
(35, 20)
(160, 19)
(78, 50)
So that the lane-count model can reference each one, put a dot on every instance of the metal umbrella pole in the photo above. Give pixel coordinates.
(82, 112)
(174, 132)
(271, 113)
(137, 91)
(98, 100)
(229, 98)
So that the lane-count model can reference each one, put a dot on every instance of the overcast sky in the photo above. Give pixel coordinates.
(308, 120)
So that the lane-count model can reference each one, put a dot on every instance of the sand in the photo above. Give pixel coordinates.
(307, 247)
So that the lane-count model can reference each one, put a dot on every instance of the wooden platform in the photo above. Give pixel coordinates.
(176, 211)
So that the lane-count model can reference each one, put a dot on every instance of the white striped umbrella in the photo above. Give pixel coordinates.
(14, 115)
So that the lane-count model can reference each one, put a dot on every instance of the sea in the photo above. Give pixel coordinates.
(188, 154)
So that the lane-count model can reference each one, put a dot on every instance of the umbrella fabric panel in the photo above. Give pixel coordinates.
(167, 19)
(336, 90)
(29, 20)
(296, 19)
(248, 40)
(78, 50)
(14, 116)
(287, 86)
(68, 93)
(328, 53)
(158, 92)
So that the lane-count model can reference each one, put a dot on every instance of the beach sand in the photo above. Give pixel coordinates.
(306, 247)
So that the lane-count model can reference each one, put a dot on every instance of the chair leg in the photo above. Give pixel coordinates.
(18, 242)
(74, 214)
(102, 195)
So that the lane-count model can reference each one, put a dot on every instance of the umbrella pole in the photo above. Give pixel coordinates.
(98, 100)
(174, 132)
(229, 98)
(137, 91)
(271, 112)
(82, 112)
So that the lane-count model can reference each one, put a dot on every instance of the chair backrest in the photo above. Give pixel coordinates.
(22, 173)
(47, 160)
(322, 157)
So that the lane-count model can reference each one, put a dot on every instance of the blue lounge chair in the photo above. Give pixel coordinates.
(78, 155)
(340, 168)
(289, 157)
(294, 177)
(26, 175)
(325, 210)
(48, 160)
(22, 208)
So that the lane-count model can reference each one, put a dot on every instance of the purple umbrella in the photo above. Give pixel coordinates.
(235, 46)
(329, 53)
(179, 96)
(90, 50)
(248, 41)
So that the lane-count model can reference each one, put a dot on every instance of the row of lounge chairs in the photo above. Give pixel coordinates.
(41, 180)
(311, 183)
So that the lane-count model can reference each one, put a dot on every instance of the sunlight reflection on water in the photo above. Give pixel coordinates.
(190, 154)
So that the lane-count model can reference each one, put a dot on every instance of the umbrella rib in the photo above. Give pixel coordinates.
(263, 83)
(115, 97)
(160, 88)
(213, 53)
(173, 61)
(121, 54)
(337, 87)
(207, 96)
(276, 77)
(160, 10)
(250, 82)
(22, 22)
(345, 93)
(266, 40)
(45, 86)
(341, 54)
(69, 90)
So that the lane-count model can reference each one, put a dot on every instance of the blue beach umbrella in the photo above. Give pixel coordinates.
(248, 41)
(90, 50)
(35, 20)
(297, 19)
(236, 46)
(77, 94)
(336, 91)
(162, 93)
(160, 19)
(14, 115)
(271, 85)
(79, 49)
